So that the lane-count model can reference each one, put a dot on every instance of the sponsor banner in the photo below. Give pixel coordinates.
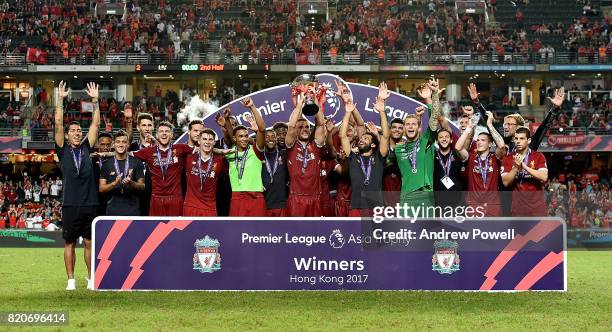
(26, 238)
(590, 143)
(332, 68)
(73, 68)
(11, 69)
(565, 140)
(155, 253)
(580, 67)
(499, 68)
(10, 144)
(594, 238)
(415, 68)
(275, 105)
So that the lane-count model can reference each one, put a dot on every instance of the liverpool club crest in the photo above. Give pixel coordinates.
(207, 258)
(445, 259)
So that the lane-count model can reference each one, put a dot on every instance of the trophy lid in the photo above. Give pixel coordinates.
(305, 79)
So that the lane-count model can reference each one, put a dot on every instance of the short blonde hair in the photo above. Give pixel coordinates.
(409, 116)
(517, 117)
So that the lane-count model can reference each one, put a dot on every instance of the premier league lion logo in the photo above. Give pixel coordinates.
(445, 259)
(207, 258)
(336, 239)
(332, 101)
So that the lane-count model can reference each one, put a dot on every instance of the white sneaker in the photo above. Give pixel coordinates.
(90, 284)
(71, 284)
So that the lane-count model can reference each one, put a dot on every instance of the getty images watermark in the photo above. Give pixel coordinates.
(404, 211)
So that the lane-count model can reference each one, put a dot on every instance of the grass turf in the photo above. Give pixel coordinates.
(34, 279)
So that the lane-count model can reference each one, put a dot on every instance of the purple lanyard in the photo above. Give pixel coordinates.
(446, 165)
(162, 165)
(242, 161)
(126, 168)
(522, 172)
(484, 172)
(271, 169)
(366, 170)
(304, 157)
(208, 169)
(77, 158)
(413, 157)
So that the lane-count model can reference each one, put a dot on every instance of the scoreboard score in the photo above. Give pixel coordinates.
(151, 68)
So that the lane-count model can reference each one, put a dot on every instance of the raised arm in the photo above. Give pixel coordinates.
(260, 139)
(291, 136)
(424, 92)
(320, 132)
(460, 147)
(436, 107)
(129, 128)
(345, 94)
(226, 125)
(344, 139)
(331, 131)
(92, 90)
(474, 97)
(62, 93)
(500, 151)
(383, 94)
(555, 107)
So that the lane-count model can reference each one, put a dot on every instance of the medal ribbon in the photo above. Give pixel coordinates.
(413, 157)
(304, 157)
(523, 173)
(77, 158)
(162, 165)
(366, 170)
(208, 169)
(484, 172)
(242, 161)
(126, 169)
(446, 165)
(271, 169)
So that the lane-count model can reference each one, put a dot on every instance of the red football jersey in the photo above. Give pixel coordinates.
(204, 197)
(479, 192)
(170, 184)
(392, 177)
(305, 181)
(327, 167)
(527, 192)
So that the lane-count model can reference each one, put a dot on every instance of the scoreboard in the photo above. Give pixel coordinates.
(150, 68)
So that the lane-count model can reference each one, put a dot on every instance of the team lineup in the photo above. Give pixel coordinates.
(294, 169)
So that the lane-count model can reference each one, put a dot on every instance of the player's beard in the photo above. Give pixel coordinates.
(365, 149)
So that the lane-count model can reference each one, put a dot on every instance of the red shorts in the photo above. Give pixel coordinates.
(275, 212)
(342, 207)
(192, 211)
(360, 213)
(303, 206)
(166, 206)
(247, 204)
(327, 207)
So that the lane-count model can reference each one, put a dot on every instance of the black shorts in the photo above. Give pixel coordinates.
(77, 222)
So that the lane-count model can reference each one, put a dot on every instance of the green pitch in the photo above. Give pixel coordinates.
(34, 279)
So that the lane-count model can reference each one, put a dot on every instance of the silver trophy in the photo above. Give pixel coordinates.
(309, 85)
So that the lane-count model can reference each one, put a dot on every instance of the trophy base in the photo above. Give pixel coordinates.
(310, 109)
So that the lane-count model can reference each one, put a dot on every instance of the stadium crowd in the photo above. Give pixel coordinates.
(75, 30)
(583, 199)
(30, 202)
